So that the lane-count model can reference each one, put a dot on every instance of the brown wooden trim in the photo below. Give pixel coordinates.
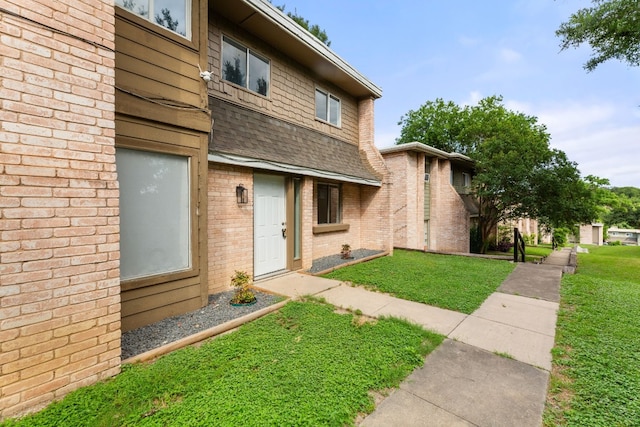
(196, 195)
(130, 105)
(330, 228)
(292, 263)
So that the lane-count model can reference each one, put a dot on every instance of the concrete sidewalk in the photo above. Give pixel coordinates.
(493, 368)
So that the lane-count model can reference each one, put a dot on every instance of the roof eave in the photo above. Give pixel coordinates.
(323, 58)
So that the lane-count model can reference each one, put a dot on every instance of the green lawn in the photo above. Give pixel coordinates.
(303, 365)
(453, 282)
(596, 361)
(532, 253)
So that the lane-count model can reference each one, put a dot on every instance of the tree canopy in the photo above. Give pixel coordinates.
(610, 27)
(517, 174)
(314, 29)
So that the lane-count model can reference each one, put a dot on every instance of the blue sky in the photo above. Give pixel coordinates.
(464, 50)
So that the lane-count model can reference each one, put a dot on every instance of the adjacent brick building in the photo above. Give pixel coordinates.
(432, 205)
(297, 136)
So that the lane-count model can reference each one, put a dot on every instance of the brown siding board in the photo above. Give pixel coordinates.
(150, 64)
(155, 315)
(175, 294)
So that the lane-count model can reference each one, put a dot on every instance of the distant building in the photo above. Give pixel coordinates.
(431, 201)
(591, 234)
(626, 236)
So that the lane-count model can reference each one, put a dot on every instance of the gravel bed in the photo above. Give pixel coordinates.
(331, 261)
(217, 312)
(166, 331)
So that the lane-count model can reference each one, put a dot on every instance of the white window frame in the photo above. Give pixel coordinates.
(329, 96)
(151, 13)
(249, 53)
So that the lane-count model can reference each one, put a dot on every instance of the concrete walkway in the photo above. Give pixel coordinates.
(493, 368)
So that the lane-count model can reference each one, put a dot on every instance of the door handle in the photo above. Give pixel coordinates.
(284, 233)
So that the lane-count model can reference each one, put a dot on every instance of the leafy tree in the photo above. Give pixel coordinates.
(621, 207)
(314, 29)
(610, 27)
(517, 174)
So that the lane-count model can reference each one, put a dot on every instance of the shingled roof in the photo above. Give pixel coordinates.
(242, 132)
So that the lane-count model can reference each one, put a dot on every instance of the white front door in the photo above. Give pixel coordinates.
(269, 215)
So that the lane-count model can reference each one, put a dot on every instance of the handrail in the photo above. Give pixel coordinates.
(518, 246)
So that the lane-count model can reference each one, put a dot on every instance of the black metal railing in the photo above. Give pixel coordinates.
(518, 246)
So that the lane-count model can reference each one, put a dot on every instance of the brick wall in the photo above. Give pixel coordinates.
(230, 225)
(407, 203)
(376, 228)
(292, 90)
(450, 222)
(331, 243)
(59, 251)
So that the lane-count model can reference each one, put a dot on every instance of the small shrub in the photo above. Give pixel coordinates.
(243, 294)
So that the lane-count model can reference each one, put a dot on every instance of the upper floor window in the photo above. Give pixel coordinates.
(328, 196)
(174, 15)
(244, 67)
(466, 179)
(327, 107)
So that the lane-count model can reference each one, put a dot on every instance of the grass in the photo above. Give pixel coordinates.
(303, 365)
(596, 361)
(452, 282)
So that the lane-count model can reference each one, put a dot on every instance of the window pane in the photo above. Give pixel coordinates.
(155, 228)
(258, 74)
(321, 105)
(334, 205)
(323, 204)
(172, 14)
(234, 62)
(139, 7)
(334, 111)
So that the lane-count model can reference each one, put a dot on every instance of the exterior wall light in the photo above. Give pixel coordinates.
(242, 195)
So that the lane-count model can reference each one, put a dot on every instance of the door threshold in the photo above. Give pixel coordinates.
(271, 275)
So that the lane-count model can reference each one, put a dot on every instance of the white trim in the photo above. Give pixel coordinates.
(231, 159)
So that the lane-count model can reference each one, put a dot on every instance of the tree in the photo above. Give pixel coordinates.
(314, 29)
(517, 174)
(610, 27)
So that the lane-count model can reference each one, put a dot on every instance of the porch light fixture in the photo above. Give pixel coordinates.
(242, 195)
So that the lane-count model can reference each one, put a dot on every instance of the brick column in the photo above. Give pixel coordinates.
(377, 216)
(59, 215)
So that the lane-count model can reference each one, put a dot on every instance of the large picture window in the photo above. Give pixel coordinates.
(244, 67)
(155, 213)
(175, 15)
(327, 107)
(328, 204)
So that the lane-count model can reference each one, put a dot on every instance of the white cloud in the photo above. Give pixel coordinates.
(600, 137)
(509, 55)
(473, 99)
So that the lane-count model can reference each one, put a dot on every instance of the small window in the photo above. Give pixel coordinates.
(466, 179)
(328, 196)
(175, 15)
(327, 107)
(244, 67)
